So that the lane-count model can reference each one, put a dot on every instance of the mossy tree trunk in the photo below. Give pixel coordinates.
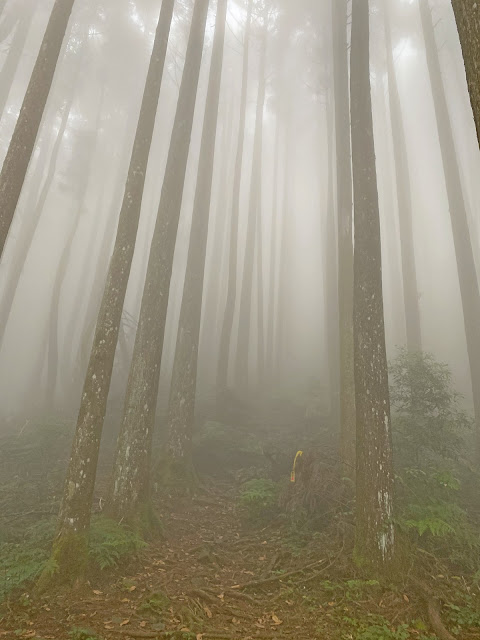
(227, 325)
(345, 240)
(374, 546)
(25, 134)
(467, 274)
(130, 484)
(467, 15)
(74, 517)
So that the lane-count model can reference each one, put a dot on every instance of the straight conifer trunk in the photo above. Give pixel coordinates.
(467, 15)
(132, 469)
(253, 236)
(345, 240)
(25, 134)
(227, 326)
(467, 273)
(71, 542)
(374, 499)
(404, 198)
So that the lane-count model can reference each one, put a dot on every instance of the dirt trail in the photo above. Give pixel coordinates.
(211, 575)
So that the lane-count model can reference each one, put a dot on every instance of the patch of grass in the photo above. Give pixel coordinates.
(78, 633)
(156, 604)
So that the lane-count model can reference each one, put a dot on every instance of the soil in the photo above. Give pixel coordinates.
(215, 576)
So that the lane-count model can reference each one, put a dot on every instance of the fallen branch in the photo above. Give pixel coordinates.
(278, 578)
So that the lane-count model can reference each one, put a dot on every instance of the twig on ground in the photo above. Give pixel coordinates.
(278, 578)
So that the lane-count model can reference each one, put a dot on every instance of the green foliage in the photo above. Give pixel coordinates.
(378, 628)
(464, 616)
(110, 543)
(259, 497)
(429, 429)
(83, 634)
(27, 556)
(156, 604)
(428, 421)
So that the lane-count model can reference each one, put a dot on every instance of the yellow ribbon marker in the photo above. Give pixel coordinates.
(292, 475)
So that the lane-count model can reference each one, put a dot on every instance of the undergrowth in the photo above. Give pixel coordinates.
(259, 499)
(25, 556)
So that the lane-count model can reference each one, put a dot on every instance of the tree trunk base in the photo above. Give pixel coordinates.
(68, 562)
(176, 475)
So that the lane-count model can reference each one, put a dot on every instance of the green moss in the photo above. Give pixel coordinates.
(67, 564)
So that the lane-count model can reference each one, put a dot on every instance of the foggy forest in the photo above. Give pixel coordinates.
(240, 319)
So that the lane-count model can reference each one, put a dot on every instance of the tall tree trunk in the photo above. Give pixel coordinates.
(252, 239)
(467, 15)
(14, 55)
(404, 198)
(36, 204)
(331, 274)
(227, 326)
(467, 274)
(130, 494)
(374, 503)
(273, 275)
(25, 134)
(345, 241)
(260, 293)
(209, 341)
(74, 518)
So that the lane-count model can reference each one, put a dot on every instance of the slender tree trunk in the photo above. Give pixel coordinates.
(467, 15)
(404, 198)
(245, 310)
(260, 295)
(467, 274)
(25, 134)
(345, 241)
(14, 55)
(36, 204)
(374, 502)
(227, 326)
(131, 470)
(74, 518)
(331, 275)
(210, 320)
(181, 409)
(273, 275)
(132, 463)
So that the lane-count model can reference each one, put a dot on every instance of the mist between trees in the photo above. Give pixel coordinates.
(223, 211)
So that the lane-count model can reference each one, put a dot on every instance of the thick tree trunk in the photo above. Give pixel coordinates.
(252, 239)
(467, 274)
(130, 493)
(374, 502)
(227, 326)
(404, 198)
(70, 546)
(36, 204)
(273, 275)
(345, 241)
(132, 467)
(25, 134)
(14, 55)
(467, 15)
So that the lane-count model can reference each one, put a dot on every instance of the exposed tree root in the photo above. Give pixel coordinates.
(278, 578)
(214, 635)
(434, 614)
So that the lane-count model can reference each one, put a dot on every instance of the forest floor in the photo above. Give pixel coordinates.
(215, 575)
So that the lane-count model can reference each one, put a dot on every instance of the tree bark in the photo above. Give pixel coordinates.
(10, 66)
(467, 274)
(467, 15)
(253, 239)
(36, 204)
(130, 486)
(227, 326)
(273, 276)
(404, 198)
(374, 502)
(25, 134)
(345, 241)
(70, 546)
